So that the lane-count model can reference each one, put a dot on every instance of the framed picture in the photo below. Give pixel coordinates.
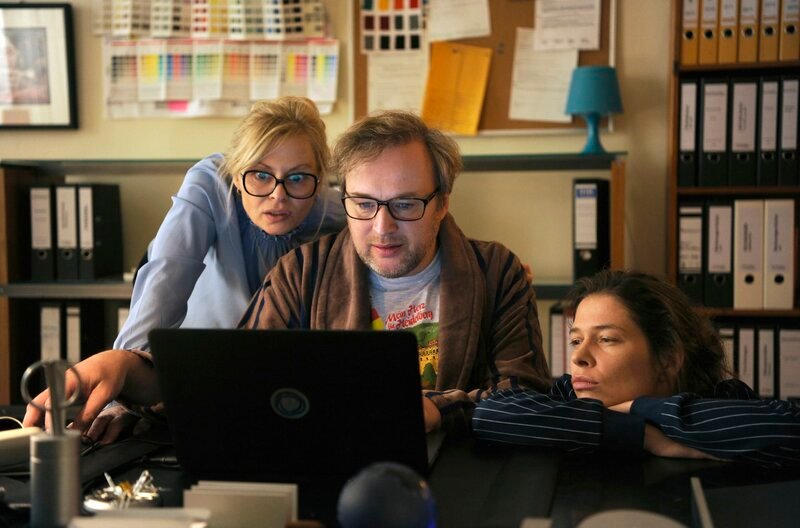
(37, 66)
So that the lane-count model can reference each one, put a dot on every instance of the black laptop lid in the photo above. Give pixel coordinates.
(290, 404)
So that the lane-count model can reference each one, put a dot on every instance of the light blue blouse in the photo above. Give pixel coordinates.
(208, 258)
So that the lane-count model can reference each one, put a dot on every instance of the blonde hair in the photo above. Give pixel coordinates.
(367, 138)
(268, 124)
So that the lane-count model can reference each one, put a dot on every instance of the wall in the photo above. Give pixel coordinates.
(519, 209)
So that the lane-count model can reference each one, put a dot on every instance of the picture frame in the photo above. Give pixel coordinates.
(37, 66)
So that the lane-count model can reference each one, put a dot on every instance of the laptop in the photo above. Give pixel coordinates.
(304, 406)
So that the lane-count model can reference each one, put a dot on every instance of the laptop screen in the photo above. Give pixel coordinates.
(290, 404)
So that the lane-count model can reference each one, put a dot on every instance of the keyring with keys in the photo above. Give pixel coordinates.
(55, 371)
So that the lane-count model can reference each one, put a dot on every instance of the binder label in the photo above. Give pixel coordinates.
(789, 115)
(690, 239)
(791, 10)
(585, 216)
(690, 13)
(750, 226)
(709, 19)
(86, 218)
(769, 116)
(726, 336)
(780, 227)
(122, 317)
(73, 333)
(67, 231)
(50, 328)
(769, 11)
(719, 239)
(41, 234)
(743, 137)
(688, 116)
(748, 12)
(715, 117)
(747, 339)
(558, 345)
(727, 13)
(789, 372)
(766, 363)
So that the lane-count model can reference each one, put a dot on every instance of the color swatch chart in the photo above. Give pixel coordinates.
(231, 19)
(324, 56)
(236, 71)
(265, 70)
(122, 61)
(294, 76)
(168, 70)
(284, 19)
(391, 25)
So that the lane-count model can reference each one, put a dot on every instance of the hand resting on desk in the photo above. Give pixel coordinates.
(104, 377)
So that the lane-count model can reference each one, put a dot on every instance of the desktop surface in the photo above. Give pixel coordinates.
(481, 486)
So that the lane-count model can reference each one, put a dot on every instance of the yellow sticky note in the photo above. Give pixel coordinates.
(456, 86)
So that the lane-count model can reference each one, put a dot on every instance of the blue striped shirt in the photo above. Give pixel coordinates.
(732, 423)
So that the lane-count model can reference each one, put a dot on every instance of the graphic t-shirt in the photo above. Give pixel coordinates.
(411, 303)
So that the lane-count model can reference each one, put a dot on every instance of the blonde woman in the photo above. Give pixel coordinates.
(233, 217)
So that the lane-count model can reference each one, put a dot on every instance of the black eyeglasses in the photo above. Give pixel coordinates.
(298, 185)
(404, 209)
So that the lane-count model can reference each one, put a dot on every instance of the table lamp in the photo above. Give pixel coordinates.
(593, 93)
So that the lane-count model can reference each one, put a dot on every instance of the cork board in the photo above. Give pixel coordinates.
(505, 15)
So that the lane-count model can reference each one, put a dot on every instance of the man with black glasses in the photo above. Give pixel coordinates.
(403, 263)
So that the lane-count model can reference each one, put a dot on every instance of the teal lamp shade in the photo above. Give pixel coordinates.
(593, 93)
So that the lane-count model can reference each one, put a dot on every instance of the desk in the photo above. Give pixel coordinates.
(483, 486)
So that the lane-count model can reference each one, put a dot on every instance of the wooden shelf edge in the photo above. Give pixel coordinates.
(735, 66)
(752, 313)
(68, 290)
(738, 191)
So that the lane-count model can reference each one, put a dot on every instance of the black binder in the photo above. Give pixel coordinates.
(100, 231)
(687, 139)
(591, 238)
(787, 140)
(718, 255)
(714, 108)
(690, 250)
(742, 166)
(42, 239)
(66, 203)
(769, 105)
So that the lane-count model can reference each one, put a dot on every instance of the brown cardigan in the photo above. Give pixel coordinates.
(489, 335)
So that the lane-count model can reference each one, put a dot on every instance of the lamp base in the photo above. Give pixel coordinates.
(593, 145)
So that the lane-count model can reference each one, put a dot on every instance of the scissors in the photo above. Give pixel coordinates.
(55, 371)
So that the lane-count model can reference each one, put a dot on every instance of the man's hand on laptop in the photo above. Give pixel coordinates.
(104, 377)
(112, 422)
(433, 418)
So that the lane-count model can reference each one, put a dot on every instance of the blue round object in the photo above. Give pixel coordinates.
(388, 495)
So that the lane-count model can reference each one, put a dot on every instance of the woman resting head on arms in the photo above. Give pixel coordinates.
(646, 372)
(233, 217)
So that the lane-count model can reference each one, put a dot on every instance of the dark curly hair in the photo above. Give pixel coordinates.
(669, 322)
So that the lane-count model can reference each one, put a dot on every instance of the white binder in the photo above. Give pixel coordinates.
(746, 356)
(779, 259)
(726, 335)
(789, 363)
(49, 332)
(73, 333)
(748, 254)
(558, 345)
(766, 362)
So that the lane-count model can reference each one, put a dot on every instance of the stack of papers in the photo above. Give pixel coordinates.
(244, 503)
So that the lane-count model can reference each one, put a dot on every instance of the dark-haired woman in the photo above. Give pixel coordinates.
(646, 372)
